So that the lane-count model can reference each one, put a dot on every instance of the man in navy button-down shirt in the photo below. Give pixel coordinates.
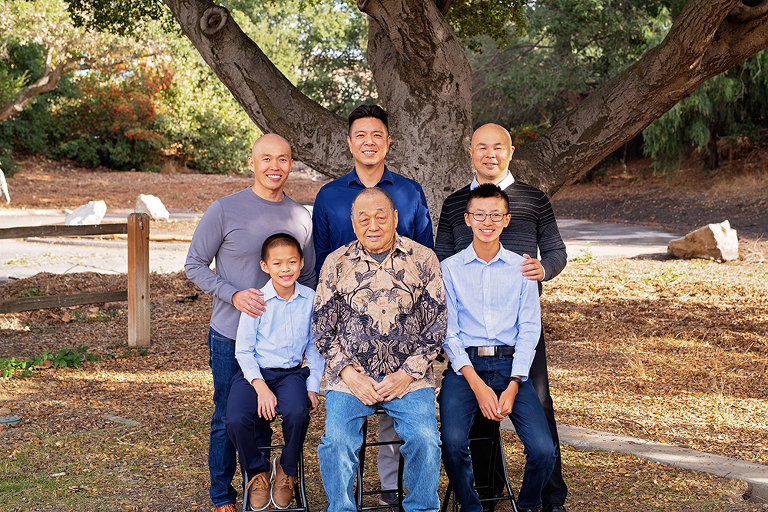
(369, 141)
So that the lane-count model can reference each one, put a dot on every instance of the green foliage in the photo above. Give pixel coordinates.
(117, 121)
(119, 16)
(31, 292)
(570, 48)
(64, 357)
(585, 255)
(472, 19)
(732, 105)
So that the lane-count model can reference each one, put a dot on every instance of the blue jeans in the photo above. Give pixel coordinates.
(458, 407)
(222, 461)
(415, 423)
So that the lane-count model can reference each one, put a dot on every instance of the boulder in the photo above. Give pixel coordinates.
(87, 215)
(716, 241)
(152, 206)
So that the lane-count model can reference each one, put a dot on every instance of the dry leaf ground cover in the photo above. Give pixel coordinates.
(665, 350)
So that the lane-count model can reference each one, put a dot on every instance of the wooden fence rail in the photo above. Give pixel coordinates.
(137, 295)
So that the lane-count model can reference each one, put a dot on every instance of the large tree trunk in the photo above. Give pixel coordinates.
(708, 38)
(424, 82)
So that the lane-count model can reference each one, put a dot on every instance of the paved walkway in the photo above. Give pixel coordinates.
(25, 258)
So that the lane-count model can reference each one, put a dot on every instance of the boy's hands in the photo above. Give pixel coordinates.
(393, 385)
(267, 399)
(532, 268)
(507, 398)
(249, 302)
(486, 397)
(314, 403)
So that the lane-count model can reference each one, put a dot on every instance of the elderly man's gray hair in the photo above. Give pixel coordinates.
(372, 191)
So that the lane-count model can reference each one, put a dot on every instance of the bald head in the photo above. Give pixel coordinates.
(491, 151)
(492, 131)
(271, 139)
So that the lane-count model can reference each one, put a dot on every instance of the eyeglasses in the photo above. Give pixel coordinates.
(495, 217)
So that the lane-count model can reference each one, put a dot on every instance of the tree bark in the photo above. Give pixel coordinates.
(424, 82)
(703, 42)
(46, 83)
(317, 136)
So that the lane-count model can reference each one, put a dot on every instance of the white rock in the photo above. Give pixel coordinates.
(87, 215)
(717, 241)
(4, 187)
(152, 206)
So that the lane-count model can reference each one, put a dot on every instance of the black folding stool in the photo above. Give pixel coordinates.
(359, 493)
(495, 443)
(299, 490)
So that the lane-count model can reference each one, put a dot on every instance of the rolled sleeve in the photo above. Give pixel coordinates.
(529, 322)
(453, 344)
(245, 347)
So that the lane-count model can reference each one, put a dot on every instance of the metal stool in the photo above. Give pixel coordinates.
(359, 493)
(299, 490)
(496, 443)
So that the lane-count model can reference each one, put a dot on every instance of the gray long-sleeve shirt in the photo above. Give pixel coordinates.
(232, 231)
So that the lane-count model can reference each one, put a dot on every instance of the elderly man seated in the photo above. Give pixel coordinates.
(380, 321)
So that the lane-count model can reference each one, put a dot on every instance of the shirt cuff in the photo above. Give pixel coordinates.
(461, 361)
(252, 373)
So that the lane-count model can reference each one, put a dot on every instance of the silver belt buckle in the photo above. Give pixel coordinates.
(487, 351)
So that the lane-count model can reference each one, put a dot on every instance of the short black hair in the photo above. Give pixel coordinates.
(487, 190)
(369, 111)
(279, 240)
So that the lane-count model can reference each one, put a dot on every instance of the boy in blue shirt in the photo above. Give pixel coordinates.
(270, 350)
(494, 322)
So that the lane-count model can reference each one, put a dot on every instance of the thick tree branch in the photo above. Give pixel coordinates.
(703, 42)
(317, 136)
(46, 83)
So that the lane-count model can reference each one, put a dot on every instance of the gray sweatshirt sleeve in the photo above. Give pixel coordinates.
(206, 242)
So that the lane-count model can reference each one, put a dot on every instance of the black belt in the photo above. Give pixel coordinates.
(494, 351)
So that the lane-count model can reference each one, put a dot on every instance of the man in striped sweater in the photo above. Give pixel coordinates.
(532, 230)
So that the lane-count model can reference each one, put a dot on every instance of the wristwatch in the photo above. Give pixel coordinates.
(517, 379)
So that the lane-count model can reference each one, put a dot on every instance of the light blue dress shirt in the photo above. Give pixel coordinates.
(280, 337)
(490, 304)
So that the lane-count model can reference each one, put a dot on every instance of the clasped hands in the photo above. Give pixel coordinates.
(371, 392)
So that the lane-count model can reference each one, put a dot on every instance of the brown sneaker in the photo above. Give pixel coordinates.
(258, 490)
(227, 508)
(282, 489)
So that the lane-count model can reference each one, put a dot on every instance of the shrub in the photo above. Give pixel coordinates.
(118, 120)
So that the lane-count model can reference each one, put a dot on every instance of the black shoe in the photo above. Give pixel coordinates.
(555, 507)
(389, 498)
(534, 509)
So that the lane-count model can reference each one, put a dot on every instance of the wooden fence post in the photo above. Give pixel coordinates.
(138, 279)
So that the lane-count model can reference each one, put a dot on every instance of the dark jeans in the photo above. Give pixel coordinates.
(222, 461)
(458, 408)
(248, 431)
(555, 491)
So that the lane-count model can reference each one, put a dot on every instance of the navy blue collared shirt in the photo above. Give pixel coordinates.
(331, 215)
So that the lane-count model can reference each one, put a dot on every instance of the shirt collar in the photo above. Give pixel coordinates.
(507, 181)
(359, 252)
(388, 176)
(271, 293)
(470, 255)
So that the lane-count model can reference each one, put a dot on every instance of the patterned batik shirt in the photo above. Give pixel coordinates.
(380, 318)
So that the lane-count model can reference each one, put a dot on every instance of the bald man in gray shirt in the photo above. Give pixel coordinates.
(232, 232)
